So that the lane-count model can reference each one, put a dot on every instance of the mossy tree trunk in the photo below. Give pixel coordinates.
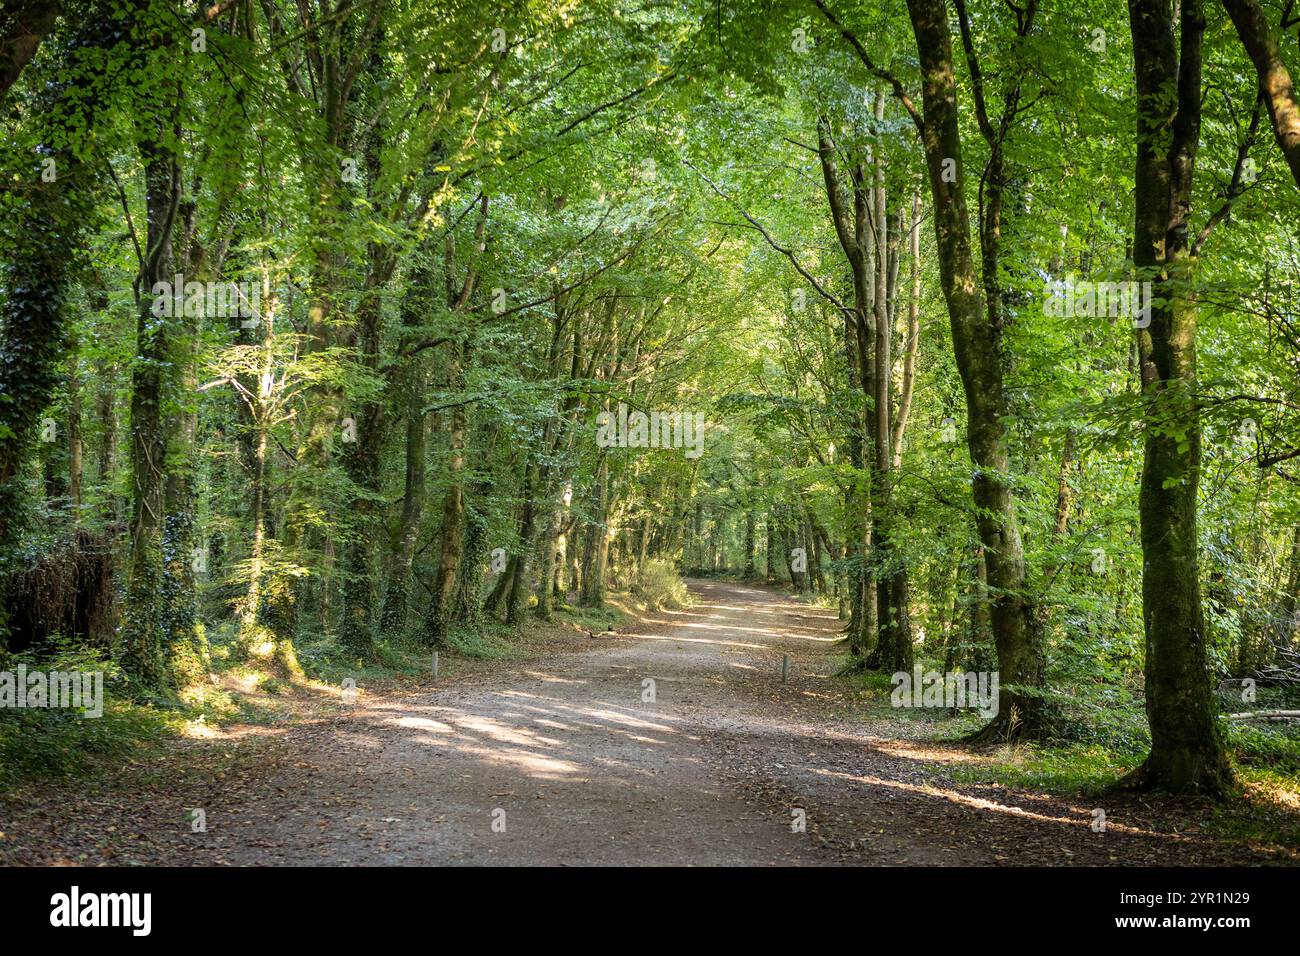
(1187, 752)
(144, 631)
(977, 347)
(451, 549)
(851, 214)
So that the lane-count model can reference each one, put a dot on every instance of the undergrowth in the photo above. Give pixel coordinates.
(1108, 738)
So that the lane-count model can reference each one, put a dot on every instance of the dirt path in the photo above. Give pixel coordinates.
(575, 760)
(572, 756)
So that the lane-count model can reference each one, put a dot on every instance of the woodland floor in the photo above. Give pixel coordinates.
(589, 774)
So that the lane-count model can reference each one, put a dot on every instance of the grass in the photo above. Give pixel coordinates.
(593, 618)
(872, 691)
(323, 660)
(1265, 812)
(1069, 769)
(55, 744)
(1109, 738)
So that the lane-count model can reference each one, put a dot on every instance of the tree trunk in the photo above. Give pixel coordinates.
(469, 590)
(452, 548)
(749, 544)
(550, 560)
(1274, 78)
(411, 391)
(913, 335)
(1186, 750)
(143, 639)
(517, 596)
(76, 467)
(23, 25)
(851, 216)
(595, 547)
(894, 638)
(187, 650)
(361, 462)
(1285, 624)
(978, 353)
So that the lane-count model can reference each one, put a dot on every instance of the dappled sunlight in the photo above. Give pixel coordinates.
(782, 626)
(629, 721)
(202, 730)
(927, 751)
(539, 766)
(495, 744)
(495, 729)
(979, 803)
(537, 735)
(581, 715)
(701, 640)
(755, 608)
(569, 743)
(602, 714)
(783, 634)
(819, 695)
(1288, 799)
(552, 679)
(553, 724)
(423, 723)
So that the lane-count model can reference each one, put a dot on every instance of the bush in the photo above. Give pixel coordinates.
(660, 586)
(51, 742)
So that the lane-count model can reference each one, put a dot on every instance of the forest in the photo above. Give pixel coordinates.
(377, 343)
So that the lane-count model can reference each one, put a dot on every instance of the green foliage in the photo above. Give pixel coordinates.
(660, 586)
(57, 742)
(468, 245)
(1080, 769)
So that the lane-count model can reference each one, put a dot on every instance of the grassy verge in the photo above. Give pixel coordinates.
(41, 744)
(1110, 739)
(1265, 811)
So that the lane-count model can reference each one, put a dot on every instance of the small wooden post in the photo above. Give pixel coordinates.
(785, 667)
(435, 665)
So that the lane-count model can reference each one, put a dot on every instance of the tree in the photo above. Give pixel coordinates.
(1186, 749)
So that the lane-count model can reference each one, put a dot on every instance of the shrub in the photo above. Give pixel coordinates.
(660, 586)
